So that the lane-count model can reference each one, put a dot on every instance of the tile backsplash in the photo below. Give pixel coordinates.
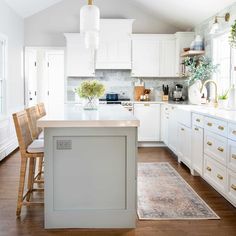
(121, 82)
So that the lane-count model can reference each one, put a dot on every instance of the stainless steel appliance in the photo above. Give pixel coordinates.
(178, 93)
(125, 102)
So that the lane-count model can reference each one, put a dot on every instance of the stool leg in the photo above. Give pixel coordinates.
(31, 177)
(21, 185)
(40, 167)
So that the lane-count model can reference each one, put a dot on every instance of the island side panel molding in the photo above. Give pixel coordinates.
(78, 194)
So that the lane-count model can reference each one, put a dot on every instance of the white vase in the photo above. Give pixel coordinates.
(194, 94)
(90, 103)
(232, 98)
(223, 104)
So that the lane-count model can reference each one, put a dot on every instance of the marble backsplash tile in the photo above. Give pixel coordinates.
(121, 82)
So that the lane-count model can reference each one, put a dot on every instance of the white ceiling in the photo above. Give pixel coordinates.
(180, 13)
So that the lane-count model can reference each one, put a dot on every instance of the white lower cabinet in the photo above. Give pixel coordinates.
(184, 145)
(172, 129)
(197, 149)
(231, 160)
(149, 116)
(164, 124)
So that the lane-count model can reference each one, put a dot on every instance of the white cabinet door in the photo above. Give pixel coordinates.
(172, 130)
(184, 144)
(145, 57)
(164, 123)
(197, 149)
(79, 60)
(149, 116)
(168, 58)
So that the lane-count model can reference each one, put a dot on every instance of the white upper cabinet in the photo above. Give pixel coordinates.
(145, 56)
(168, 57)
(79, 60)
(114, 50)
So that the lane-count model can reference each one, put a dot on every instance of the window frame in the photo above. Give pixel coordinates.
(4, 39)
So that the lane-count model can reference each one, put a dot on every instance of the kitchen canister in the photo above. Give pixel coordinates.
(198, 43)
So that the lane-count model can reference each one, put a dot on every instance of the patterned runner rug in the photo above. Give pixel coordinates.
(164, 195)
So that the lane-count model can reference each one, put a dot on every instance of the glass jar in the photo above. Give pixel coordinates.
(90, 103)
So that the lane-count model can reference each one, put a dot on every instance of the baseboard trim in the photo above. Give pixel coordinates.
(151, 144)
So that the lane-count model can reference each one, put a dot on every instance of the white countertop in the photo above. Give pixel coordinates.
(73, 115)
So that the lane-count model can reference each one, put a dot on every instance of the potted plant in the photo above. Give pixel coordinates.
(199, 69)
(223, 100)
(90, 92)
(232, 36)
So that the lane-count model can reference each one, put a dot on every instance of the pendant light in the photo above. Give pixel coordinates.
(216, 25)
(90, 24)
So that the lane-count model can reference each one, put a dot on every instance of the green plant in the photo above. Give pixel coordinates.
(232, 36)
(224, 95)
(91, 89)
(199, 68)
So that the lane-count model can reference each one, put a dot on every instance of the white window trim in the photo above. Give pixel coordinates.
(4, 38)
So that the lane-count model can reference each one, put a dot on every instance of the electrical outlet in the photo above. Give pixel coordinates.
(64, 144)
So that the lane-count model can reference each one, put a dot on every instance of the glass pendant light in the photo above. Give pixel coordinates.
(215, 26)
(90, 24)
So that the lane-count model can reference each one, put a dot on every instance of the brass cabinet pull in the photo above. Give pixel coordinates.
(209, 124)
(209, 168)
(182, 129)
(198, 120)
(196, 129)
(220, 149)
(233, 156)
(146, 105)
(209, 143)
(220, 177)
(234, 132)
(221, 128)
(233, 187)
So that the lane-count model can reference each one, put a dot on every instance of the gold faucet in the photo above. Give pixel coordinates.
(216, 90)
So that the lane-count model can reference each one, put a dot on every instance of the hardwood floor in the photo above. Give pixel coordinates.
(31, 221)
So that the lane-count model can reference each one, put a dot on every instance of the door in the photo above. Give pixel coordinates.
(149, 116)
(31, 77)
(55, 80)
(197, 149)
(172, 129)
(145, 57)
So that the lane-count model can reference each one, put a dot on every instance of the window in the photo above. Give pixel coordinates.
(2, 72)
(222, 57)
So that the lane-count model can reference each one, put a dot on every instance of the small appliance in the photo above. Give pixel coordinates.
(178, 93)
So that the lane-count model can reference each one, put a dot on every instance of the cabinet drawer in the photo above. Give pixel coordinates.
(216, 126)
(198, 120)
(215, 173)
(231, 160)
(215, 146)
(231, 186)
(232, 132)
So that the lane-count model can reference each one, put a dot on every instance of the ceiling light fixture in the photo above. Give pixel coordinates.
(90, 25)
(215, 27)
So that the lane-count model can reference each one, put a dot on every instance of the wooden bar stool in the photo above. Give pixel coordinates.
(36, 132)
(30, 150)
(41, 109)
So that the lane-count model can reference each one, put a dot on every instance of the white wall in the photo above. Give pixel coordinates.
(46, 28)
(12, 26)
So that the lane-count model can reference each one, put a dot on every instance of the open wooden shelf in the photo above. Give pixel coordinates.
(192, 53)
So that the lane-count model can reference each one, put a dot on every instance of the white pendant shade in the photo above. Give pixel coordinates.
(214, 28)
(89, 19)
(91, 40)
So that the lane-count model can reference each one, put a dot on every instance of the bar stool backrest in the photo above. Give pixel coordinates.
(22, 130)
(33, 115)
(41, 109)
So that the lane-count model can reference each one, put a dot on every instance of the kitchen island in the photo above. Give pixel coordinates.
(90, 167)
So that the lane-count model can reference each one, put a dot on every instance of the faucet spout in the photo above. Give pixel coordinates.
(216, 90)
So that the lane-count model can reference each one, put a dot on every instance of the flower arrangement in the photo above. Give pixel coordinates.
(91, 91)
(199, 68)
(232, 36)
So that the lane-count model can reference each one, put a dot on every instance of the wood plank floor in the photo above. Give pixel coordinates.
(31, 221)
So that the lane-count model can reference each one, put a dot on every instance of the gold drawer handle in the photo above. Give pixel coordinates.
(221, 128)
(233, 156)
(209, 168)
(146, 105)
(220, 177)
(220, 149)
(233, 187)
(209, 143)
(234, 132)
(196, 129)
(182, 129)
(198, 120)
(209, 124)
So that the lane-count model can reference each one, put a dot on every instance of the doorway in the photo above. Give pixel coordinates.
(45, 77)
